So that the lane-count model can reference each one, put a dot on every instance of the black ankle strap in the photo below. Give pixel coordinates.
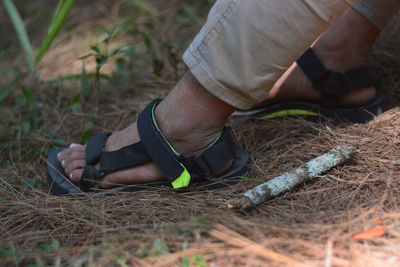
(332, 84)
(159, 150)
(182, 170)
(212, 158)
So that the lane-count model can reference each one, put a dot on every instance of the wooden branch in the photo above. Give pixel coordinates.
(293, 178)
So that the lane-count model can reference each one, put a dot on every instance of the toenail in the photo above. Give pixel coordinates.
(73, 145)
(63, 163)
(59, 155)
(70, 175)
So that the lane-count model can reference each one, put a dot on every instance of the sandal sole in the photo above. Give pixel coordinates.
(315, 112)
(60, 184)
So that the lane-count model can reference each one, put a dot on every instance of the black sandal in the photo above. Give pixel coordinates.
(181, 170)
(332, 86)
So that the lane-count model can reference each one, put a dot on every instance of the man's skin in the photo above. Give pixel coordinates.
(191, 118)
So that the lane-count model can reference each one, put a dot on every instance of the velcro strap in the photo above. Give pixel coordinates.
(95, 146)
(312, 67)
(158, 148)
(335, 84)
(90, 177)
(360, 77)
(213, 157)
(125, 157)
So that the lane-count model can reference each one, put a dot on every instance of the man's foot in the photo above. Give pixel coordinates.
(190, 118)
(345, 45)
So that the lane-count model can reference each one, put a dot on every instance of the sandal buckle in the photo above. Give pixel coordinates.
(334, 84)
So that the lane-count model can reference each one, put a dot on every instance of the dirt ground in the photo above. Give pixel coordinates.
(313, 225)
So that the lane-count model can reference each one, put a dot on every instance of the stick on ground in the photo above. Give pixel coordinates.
(293, 178)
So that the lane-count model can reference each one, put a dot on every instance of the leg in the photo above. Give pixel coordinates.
(246, 46)
(345, 45)
(191, 116)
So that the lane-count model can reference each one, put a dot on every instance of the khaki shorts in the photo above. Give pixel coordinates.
(246, 45)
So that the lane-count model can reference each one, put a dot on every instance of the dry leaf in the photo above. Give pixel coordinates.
(369, 234)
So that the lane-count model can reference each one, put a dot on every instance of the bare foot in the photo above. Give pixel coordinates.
(190, 119)
(345, 45)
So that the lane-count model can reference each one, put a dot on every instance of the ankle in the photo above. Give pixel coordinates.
(347, 43)
(190, 117)
(187, 135)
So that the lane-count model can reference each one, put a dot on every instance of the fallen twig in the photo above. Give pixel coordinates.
(291, 179)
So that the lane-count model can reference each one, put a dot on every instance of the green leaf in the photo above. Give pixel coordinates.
(27, 126)
(122, 261)
(198, 221)
(87, 132)
(160, 247)
(149, 24)
(95, 48)
(146, 40)
(57, 13)
(199, 261)
(116, 51)
(5, 253)
(86, 56)
(21, 32)
(30, 182)
(53, 139)
(76, 105)
(59, 18)
(100, 61)
(59, 142)
(138, 3)
(27, 96)
(185, 262)
(54, 245)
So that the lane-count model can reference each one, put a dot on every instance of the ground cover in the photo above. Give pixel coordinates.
(136, 49)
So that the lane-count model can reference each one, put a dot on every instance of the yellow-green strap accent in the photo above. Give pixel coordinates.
(293, 112)
(183, 180)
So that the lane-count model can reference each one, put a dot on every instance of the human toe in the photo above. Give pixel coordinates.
(76, 175)
(74, 165)
(66, 153)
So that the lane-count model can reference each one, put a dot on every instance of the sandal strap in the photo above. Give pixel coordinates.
(332, 84)
(109, 161)
(212, 158)
(125, 157)
(182, 170)
(90, 178)
(159, 150)
(95, 146)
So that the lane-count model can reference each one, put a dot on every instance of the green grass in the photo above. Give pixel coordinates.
(56, 24)
(21, 32)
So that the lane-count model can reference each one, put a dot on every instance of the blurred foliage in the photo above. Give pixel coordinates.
(59, 17)
(144, 44)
